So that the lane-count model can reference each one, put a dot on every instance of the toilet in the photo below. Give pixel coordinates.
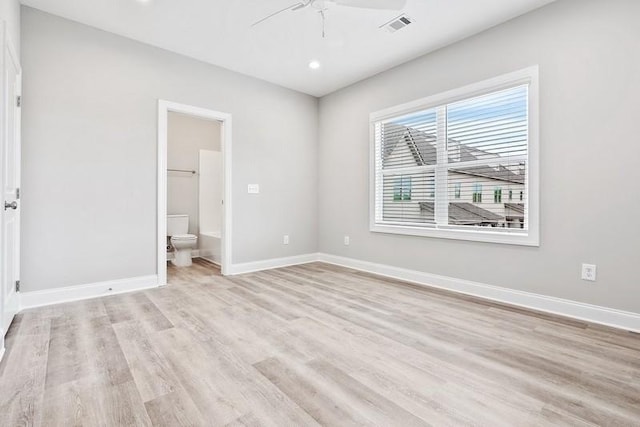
(182, 242)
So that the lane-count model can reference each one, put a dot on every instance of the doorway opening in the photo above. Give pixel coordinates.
(194, 186)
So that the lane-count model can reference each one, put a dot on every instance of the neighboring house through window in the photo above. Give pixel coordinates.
(437, 154)
(402, 189)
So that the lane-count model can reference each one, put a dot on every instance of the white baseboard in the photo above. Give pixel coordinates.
(576, 310)
(2, 350)
(80, 292)
(268, 264)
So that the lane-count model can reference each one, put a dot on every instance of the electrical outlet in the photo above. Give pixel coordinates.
(253, 189)
(285, 239)
(589, 272)
(347, 240)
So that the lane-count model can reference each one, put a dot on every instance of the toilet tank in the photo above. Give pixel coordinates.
(177, 224)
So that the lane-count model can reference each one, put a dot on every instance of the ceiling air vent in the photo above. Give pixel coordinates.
(397, 23)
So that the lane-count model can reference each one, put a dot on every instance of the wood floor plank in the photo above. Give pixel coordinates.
(248, 420)
(307, 345)
(198, 377)
(224, 387)
(88, 349)
(88, 403)
(323, 407)
(22, 383)
(367, 402)
(174, 409)
(417, 387)
(149, 368)
(135, 306)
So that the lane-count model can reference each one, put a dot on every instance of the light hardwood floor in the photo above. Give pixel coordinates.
(308, 345)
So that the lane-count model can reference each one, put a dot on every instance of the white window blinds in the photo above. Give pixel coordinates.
(455, 166)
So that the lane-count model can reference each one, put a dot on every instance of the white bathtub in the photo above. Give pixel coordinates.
(210, 246)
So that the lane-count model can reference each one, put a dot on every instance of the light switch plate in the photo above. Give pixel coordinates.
(253, 189)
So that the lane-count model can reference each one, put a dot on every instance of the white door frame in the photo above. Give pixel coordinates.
(164, 107)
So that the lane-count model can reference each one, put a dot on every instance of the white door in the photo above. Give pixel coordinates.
(10, 178)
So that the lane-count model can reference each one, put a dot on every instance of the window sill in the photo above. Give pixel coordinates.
(515, 237)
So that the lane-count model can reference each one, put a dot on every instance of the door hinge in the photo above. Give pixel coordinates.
(17, 285)
(18, 101)
(17, 193)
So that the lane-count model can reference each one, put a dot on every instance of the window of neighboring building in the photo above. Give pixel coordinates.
(436, 155)
(402, 189)
(477, 193)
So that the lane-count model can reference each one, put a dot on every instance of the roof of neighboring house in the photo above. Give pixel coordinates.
(421, 144)
(423, 149)
(500, 173)
(462, 213)
(514, 209)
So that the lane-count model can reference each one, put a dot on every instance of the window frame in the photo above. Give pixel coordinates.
(529, 237)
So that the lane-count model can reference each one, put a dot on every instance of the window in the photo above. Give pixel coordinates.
(477, 193)
(437, 154)
(402, 189)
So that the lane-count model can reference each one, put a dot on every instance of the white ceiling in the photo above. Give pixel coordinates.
(279, 50)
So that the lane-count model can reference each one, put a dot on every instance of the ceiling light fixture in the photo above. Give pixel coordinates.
(314, 65)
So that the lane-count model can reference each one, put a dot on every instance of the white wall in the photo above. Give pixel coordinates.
(186, 136)
(89, 154)
(210, 192)
(589, 57)
(10, 13)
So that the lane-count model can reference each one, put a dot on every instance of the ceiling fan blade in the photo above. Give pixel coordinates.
(295, 6)
(373, 4)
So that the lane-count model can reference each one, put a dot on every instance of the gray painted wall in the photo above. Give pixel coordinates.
(89, 154)
(10, 13)
(589, 57)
